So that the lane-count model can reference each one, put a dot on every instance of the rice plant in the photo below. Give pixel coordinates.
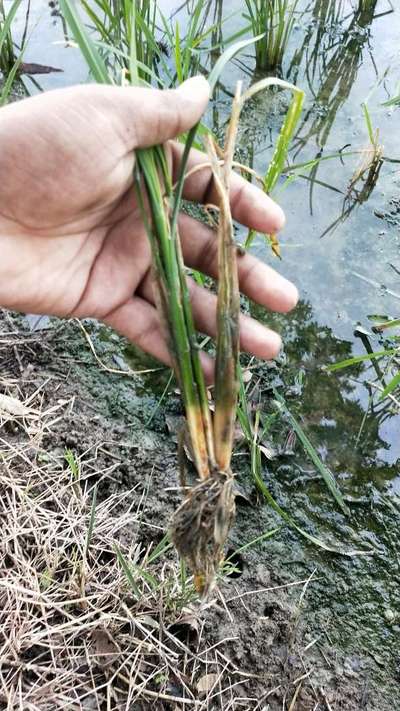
(185, 51)
(10, 60)
(119, 25)
(274, 20)
(277, 163)
(201, 524)
(164, 55)
(7, 52)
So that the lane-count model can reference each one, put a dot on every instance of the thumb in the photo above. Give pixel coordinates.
(152, 116)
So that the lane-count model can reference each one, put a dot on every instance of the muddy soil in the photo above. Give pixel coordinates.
(283, 653)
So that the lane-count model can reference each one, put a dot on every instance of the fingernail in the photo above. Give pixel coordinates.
(288, 295)
(195, 84)
(280, 219)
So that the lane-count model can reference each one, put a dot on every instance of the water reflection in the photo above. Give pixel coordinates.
(332, 51)
(356, 433)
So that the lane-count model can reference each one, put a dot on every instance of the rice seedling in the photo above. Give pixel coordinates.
(7, 49)
(201, 524)
(186, 51)
(9, 60)
(390, 355)
(256, 425)
(274, 19)
(277, 163)
(118, 26)
(163, 53)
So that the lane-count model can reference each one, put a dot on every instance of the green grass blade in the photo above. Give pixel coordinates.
(73, 464)
(127, 571)
(223, 60)
(133, 61)
(392, 323)
(178, 56)
(369, 124)
(394, 101)
(278, 159)
(254, 541)
(87, 47)
(308, 536)
(313, 455)
(391, 386)
(6, 27)
(262, 487)
(160, 401)
(359, 359)
(6, 89)
(161, 548)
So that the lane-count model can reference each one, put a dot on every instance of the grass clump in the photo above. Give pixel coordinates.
(7, 49)
(9, 60)
(163, 54)
(274, 20)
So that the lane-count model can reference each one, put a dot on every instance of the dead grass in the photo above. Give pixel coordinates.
(74, 631)
(77, 632)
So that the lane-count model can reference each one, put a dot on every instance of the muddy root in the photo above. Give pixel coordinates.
(200, 527)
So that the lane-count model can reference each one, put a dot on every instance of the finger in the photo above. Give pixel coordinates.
(255, 338)
(250, 205)
(148, 117)
(257, 280)
(138, 321)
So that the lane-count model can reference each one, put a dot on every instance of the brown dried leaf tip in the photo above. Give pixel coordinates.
(200, 527)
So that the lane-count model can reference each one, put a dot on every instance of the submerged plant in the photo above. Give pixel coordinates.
(368, 170)
(274, 19)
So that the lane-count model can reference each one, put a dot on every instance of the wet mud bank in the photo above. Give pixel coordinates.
(287, 617)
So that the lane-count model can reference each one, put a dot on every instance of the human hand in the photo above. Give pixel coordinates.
(72, 242)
